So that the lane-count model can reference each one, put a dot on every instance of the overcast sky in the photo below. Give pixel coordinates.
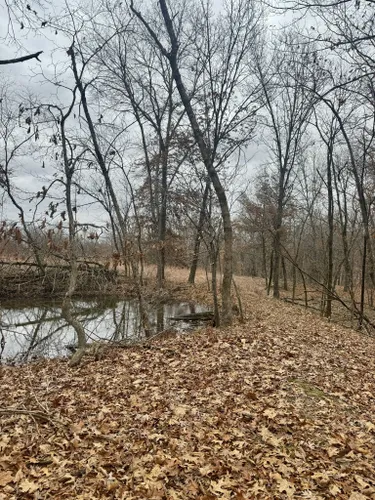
(27, 78)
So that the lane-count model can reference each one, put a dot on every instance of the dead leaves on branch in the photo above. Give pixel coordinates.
(281, 407)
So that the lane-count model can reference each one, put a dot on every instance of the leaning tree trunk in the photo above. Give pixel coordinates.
(206, 154)
(214, 257)
(204, 149)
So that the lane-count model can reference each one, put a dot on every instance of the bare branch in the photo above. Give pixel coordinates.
(22, 59)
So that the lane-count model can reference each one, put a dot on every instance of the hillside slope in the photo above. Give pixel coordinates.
(280, 407)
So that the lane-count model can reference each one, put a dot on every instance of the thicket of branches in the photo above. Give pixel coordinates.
(142, 151)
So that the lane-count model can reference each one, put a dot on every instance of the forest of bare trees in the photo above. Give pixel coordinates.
(236, 136)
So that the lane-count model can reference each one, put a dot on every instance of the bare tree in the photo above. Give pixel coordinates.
(328, 133)
(224, 46)
(17, 132)
(70, 161)
(289, 106)
(102, 160)
(142, 78)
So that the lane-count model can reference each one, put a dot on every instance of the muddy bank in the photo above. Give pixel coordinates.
(22, 280)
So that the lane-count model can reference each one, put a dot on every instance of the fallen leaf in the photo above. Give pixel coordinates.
(287, 487)
(6, 477)
(28, 486)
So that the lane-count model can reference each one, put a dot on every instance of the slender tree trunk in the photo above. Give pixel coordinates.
(294, 285)
(160, 318)
(264, 258)
(360, 190)
(198, 235)
(221, 196)
(67, 305)
(206, 268)
(271, 273)
(213, 256)
(328, 307)
(277, 237)
(363, 281)
(285, 276)
(239, 301)
(162, 223)
(304, 289)
(276, 264)
(343, 216)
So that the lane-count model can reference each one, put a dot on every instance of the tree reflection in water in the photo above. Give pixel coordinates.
(31, 330)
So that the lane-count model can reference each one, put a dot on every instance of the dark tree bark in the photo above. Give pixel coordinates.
(162, 223)
(16, 60)
(330, 285)
(285, 275)
(363, 282)
(198, 235)
(328, 138)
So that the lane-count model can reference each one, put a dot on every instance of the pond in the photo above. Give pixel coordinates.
(30, 330)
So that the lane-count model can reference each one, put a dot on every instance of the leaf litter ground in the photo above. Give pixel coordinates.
(279, 407)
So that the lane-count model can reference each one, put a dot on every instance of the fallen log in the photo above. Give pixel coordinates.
(201, 316)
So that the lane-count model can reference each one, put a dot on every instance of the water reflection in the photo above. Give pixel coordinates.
(37, 329)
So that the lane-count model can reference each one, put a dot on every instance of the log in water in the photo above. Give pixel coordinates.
(199, 316)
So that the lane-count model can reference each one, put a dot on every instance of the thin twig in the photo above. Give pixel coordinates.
(36, 414)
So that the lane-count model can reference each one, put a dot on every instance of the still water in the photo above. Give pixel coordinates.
(31, 330)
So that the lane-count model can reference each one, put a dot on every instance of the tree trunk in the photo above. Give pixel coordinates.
(220, 193)
(213, 256)
(343, 216)
(66, 309)
(360, 190)
(277, 237)
(162, 223)
(276, 264)
(304, 289)
(363, 281)
(264, 258)
(271, 273)
(294, 285)
(285, 276)
(328, 307)
(198, 235)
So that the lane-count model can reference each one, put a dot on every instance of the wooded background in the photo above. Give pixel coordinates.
(141, 145)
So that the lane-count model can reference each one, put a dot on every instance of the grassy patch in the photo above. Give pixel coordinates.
(312, 391)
